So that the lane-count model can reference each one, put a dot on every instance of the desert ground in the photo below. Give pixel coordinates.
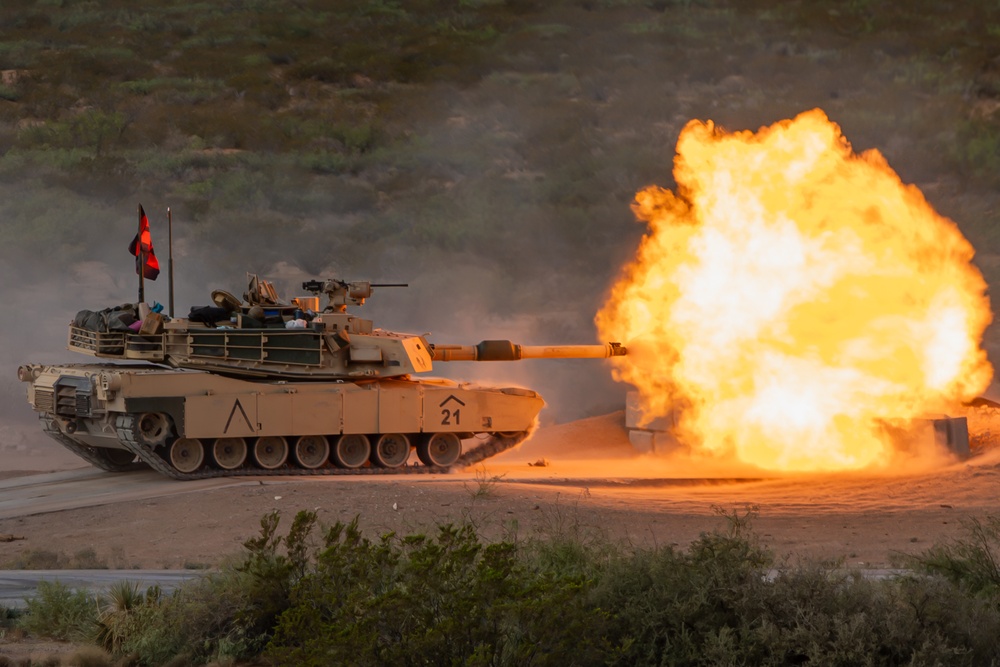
(594, 484)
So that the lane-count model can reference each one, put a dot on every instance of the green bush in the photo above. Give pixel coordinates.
(972, 561)
(8, 618)
(447, 599)
(196, 625)
(59, 612)
(119, 612)
(17, 54)
(977, 147)
(228, 615)
(92, 129)
(725, 601)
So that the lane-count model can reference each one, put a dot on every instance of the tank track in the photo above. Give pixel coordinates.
(93, 455)
(127, 426)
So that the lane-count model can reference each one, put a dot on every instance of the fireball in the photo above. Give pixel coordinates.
(791, 298)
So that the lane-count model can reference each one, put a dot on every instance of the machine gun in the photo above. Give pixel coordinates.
(342, 293)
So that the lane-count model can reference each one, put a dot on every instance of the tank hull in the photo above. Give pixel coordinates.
(120, 416)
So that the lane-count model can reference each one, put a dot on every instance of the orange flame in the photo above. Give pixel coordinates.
(794, 297)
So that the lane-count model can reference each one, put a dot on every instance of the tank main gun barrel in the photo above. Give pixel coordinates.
(504, 350)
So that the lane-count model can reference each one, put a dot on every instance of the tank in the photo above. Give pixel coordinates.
(263, 387)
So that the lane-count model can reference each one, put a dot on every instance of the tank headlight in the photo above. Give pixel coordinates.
(26, 374)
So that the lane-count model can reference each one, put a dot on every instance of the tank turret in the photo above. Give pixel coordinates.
(265, 337)
(259, 386)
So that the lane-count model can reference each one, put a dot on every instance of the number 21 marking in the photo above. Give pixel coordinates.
(448, 414)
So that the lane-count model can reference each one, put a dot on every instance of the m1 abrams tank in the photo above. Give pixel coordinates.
(261, 387)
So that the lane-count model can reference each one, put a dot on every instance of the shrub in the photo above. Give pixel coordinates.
(725, 601)
(59, 612)
(449, 599)
(195, 625)
(8, 618)
(977, 147)
(971, 561)
(93, 130)
(568, 598)
(672, 605)
(229, 615)
(16, 54)
(117, 613)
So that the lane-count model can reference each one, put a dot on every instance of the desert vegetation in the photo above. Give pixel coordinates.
(330, 595)
(45, 559)
(482, 124)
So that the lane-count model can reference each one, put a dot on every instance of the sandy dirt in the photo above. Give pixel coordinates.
(595, 486)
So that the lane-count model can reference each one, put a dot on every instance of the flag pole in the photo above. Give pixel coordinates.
(170, 259)
(142, 258)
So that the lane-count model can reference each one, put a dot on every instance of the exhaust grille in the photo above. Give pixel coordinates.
(43, 400)
(82, 405)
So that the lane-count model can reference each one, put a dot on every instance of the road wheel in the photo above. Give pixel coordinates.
(440, 449)
(312, 451)
(391, 450)
(229, 453)
(351, 451)
(187, 454)
(116, 457)
(270, 452)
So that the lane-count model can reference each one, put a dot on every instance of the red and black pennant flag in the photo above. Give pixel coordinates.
(144, 242)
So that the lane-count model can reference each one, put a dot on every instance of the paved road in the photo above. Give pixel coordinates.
(87, 487)
(16, 585)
